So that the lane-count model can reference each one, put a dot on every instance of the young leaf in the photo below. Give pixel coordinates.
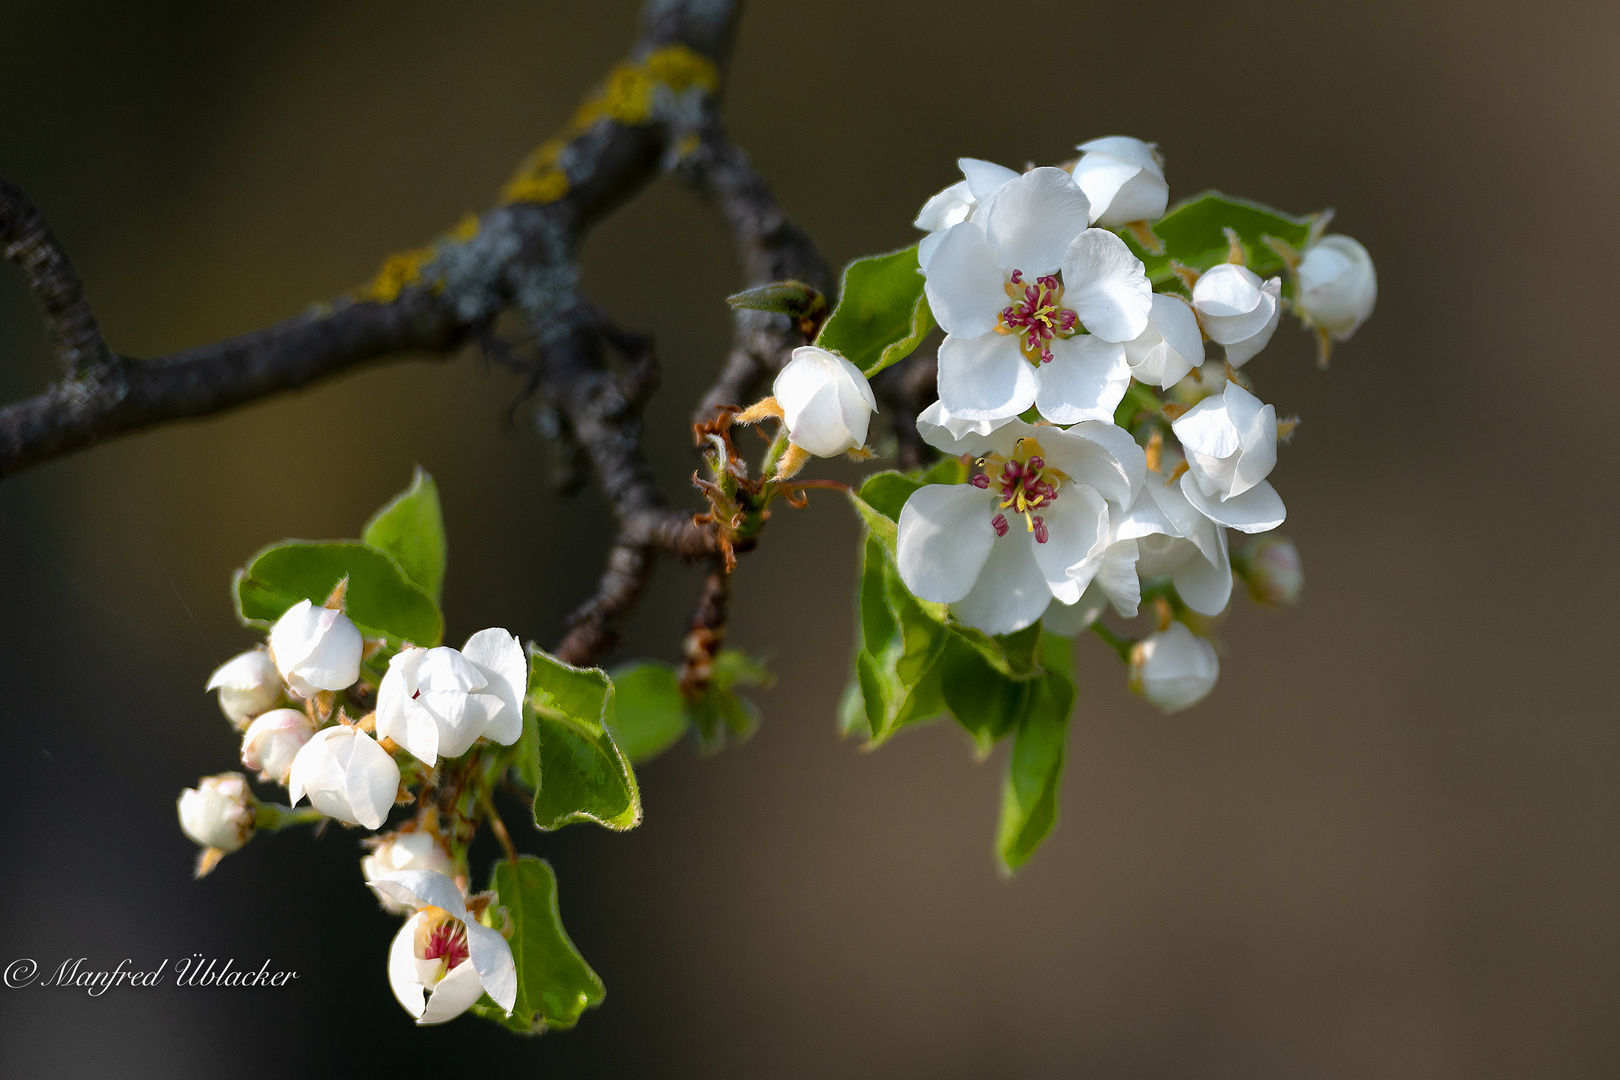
(789, 297)
(567, 752)
(411, 529)
(1193, 234)
(1029, 802)
(983, 700)
(721, 709)
(648, 713)
(882, 314)
(555, 984)
(887, 492)
(381, 600)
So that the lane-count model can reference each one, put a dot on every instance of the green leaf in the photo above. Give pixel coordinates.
(951, 470)
(882, 314)
(887, 492)
(1029, 803)
(1012, 655)
(879, 524)
(789, 297)
(649, 713)
(577, 770)
(983, 700)
(381, 599)
(554, 983)
(721, 710)
(411, 529)
(898, 642)
(1192, 233)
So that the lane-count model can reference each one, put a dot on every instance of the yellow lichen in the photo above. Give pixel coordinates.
(398, 271)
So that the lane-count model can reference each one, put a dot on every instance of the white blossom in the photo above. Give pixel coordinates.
(218, 812)
(437, 702)
(960, 201)
(417, 850)
(826, 402)
(999, 358)
(1124, 180)
(442, 960)
(346, 776)
(1271, 569)
(1116, 583)
(1170, 347)
(959, 544)
(315, 649)
(1337, 285)
(1173, 538)
(1237, 309)
(1174, 668)
(273, 740)
(1231, 444)
(248, 684)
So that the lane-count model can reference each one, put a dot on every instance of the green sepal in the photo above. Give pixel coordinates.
(410, 527)
(381, 599)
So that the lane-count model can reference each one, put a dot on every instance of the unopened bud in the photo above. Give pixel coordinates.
(1174, 668)
(1337, 285)
(826, 402)
(1123, 179)
(405, 851)
(1271, 569)
(315, 649)
(218, 812)
(273, 740)
(248, 685)
(1237, 309)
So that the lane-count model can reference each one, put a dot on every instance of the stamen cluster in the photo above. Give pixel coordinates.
(1037, 315)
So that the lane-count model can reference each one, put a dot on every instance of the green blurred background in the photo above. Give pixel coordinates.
(1386, 846)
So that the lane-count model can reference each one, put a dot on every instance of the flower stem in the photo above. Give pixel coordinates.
(1121, 645)
(272, 817)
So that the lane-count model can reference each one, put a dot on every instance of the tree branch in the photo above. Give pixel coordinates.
(27, 241)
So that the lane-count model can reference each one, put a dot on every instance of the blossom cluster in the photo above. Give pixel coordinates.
(290, 699)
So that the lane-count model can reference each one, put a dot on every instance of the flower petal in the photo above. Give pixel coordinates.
(452, 995)
(1117, 577)
(1106, 286)
(1077, 537)
(1240, 353)
(945, 537)
(946, 208)
(402, 968)
(1085, 380)
(422, 888)
(1070, 619)
(500, 657)
(1141, 154)
(985, 377)
(1011, 591)
(492, 957)
(965, 281)
(1256, 510)
(984, 178)
(1031, 220)
(947, 432)
(1259, 454)
(1098, 455)
(1204, 584)
(370, 779)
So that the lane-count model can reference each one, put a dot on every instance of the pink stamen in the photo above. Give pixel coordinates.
(999, 523)
(1040, 530)
(448, 940)
(981, 481)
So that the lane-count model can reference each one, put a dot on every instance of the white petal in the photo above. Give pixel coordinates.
(1077, 536)
(925, 251)
(500, 657)
(1117, 577)
(945, 537)
(985, 377)
(1170, 347)
(1070, 619)
(422, 888)
(819, 426)
(246, 671)
(1098, 455)
(1031, 220)
(1256, 510)
(1085, 380)
(965, 282)
(452, 995)
(1207, 428)
(371, 780)
(946, 208)
(1240, 353)
(413, 726)
(1106, 286)
(1141, 198)
(491, 956)
(402, 967)
(1205, 585)
(1259, 454)
(1101, 176)
(296, 634)
(949, 433)
(984, 178)
(1011, 591)
(1144, 155)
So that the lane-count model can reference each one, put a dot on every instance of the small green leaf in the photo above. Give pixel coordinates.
(554, 983)
(882, 314)
(983, 700)
(878, 625)
(887, 492)
(1029, 803)
(381, 599)
(790, 297)
(879, 524)
(950, 470)
(1012, 655)
(577, 770)
(411, 529)
(649, 712)
(721, 710)
(1192, 233)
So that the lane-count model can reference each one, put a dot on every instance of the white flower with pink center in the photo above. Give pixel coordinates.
(1014, 286)
(1033, 524)
(443, 960)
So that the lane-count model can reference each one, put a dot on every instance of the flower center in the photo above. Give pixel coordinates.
(442, 937)
(1036, 315)
(1026, 485)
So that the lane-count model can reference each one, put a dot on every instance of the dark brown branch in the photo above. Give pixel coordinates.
(903, 391)
(27, 241)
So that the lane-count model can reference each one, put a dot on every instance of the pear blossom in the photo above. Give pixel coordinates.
(826, 402)
(1231, 444)
(273, 740)
(998, 359)
(1116, 583)
(218, 812)
(248, 684)
(1271, 569)
(1124, 180)
(1237, 309)
(1174, 668)
(1170, 347)
(442, 960)
(315, 649)
(960, 201)
(957, 543)
(1174, 539)
(437, 702)
(418, 850)
(1337, 285)
(346, 776)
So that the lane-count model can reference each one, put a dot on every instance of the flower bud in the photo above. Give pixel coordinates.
(1123, 179)
(1237, 309)
(826, 402)
(1271, 569)
(248, 685)
(1231, 441)
(1170, 347)
(218, 812)
(346, 776)
(273, 740)
(1174, 668)
(1337, 285)
(315, 649)
(405, 851)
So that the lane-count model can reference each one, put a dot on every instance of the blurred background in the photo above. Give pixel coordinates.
(1387, 844)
